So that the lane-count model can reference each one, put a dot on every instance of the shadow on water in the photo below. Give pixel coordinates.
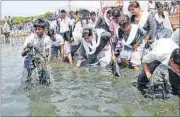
(83, 91)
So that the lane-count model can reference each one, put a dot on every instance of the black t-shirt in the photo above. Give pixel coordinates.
(175, 81)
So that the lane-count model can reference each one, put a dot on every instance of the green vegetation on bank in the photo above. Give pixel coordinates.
(17, 20)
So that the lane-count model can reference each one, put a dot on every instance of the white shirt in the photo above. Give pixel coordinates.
(77, 33)
(161, 51)
(59, 40)
(67, 47)
(53, 24)
(43, 43)
(152, 6)
(92, 24)
(64, 24)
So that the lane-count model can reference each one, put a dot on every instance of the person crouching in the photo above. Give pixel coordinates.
(95, 48)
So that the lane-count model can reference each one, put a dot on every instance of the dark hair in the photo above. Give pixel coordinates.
(47, 25)
(129, 7)
(135, 4)
(67, 35)
(124, 19)
(92, 13)
(116, 12)
(63, 11)
(39, 23)
(77, 12)
(87, 31)
(175, 56)
(160, 5)
(109, 11)
(51, 32)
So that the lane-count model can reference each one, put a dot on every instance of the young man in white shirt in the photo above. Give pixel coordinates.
(93, 20)
(64, 22)
(39, 39)
(57, 44)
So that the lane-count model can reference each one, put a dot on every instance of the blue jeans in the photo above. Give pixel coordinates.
(27, 63)
(54, 50)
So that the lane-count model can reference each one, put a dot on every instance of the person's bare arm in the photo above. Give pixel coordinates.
(147, 70)
(70, 58)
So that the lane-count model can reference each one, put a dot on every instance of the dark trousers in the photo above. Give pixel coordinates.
(142, 78)
(74, 49)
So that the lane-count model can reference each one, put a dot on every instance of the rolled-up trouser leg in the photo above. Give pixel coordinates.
(142, 78)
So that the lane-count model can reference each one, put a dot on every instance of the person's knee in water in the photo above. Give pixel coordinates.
(68, 40)
(57, 44)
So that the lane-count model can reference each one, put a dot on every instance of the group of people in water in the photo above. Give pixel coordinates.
(140, 38)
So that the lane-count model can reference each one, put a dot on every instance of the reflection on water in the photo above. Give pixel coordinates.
(83, 91)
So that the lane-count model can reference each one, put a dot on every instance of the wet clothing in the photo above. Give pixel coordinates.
(56, 44)
(174, 81)
(42, 43)
(136, 35)
(160, 54)
(142, 80)
(163, 73)
(92, 52)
